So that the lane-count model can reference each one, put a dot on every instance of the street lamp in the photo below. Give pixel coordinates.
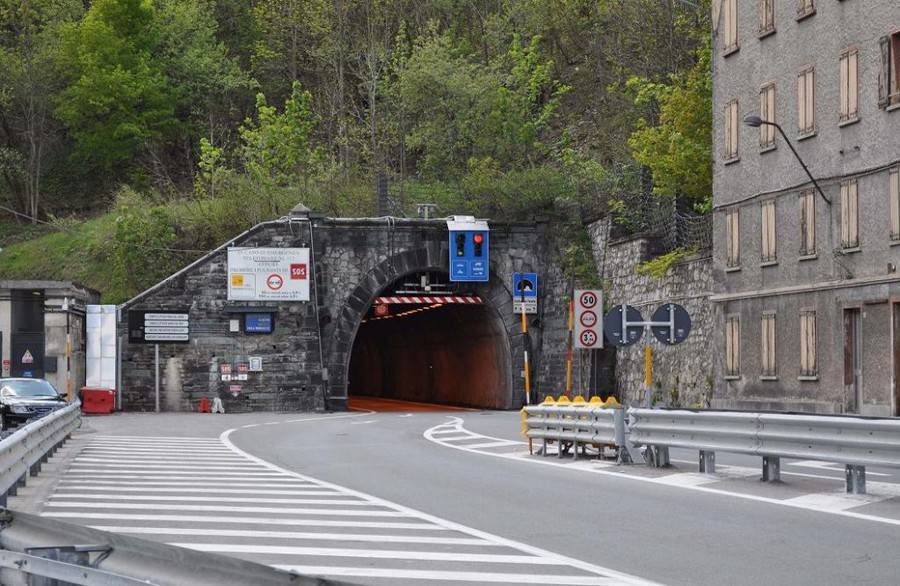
(756, 122)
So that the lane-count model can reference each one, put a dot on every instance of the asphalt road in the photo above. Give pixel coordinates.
(465, 475)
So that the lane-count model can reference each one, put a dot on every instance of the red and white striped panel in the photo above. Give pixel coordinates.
(429, 299)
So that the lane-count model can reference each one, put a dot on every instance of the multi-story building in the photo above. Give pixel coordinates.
(807, 291)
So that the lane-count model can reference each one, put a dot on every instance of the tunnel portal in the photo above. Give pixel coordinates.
(429, 341)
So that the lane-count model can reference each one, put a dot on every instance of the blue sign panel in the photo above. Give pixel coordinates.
(469, 255)
(258, 323)
(525, 285)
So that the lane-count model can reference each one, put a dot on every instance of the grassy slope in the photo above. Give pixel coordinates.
(79, 253)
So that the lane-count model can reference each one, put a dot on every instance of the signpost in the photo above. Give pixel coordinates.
(588, 319)
(525, 293)
(670, 324)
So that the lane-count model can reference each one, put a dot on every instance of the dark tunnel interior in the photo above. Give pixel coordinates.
(445, 354)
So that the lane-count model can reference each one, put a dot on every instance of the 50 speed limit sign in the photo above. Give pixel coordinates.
(588, 318)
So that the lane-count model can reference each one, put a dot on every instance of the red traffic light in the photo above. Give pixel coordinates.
(478, 238)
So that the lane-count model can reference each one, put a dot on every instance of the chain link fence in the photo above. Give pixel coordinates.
(671, 222)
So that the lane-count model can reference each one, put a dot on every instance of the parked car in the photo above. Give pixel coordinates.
(22, 399)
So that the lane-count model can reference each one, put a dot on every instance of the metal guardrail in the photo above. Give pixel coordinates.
(23, 452)
(572, 425)
(856, 442)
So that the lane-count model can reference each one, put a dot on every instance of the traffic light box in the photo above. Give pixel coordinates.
(469, 249)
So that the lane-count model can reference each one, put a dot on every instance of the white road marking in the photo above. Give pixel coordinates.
(210, 498)
(314, 535)
(478, 577)
(363, 422)
(237, 520)
(226, 509)
(496, 444)
(688, 479)
(375, 554)
(611, 576)
(210, 491)
(218, 507)
(582, 466)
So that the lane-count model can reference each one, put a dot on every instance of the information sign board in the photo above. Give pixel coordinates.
(525, 293)
(268, 274)
(158, 327)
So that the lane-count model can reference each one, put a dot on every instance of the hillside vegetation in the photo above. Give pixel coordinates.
(137, 134)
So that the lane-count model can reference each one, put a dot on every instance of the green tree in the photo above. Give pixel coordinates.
(119, 99)
(678, 148)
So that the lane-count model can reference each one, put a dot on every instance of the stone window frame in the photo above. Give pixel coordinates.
(848, 76)
(768, 337)
(732, 346)
(809, 365)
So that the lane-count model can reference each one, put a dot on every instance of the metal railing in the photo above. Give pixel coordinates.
(856, 442)
(570, 425)
(23, 452)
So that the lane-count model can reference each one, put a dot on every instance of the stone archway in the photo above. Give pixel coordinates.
(496, 299)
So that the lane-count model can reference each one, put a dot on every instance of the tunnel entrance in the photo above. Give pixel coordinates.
(429, 341)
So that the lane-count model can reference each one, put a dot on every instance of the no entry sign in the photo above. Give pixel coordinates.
(588, 318)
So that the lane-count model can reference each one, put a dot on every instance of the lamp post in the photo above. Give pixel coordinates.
(756, 122)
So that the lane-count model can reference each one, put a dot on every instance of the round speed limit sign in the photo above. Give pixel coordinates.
(588, 338)
(587, 299)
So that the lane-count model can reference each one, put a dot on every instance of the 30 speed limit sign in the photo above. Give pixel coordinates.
(588, 318)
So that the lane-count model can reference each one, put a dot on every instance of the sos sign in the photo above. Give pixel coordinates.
(588, 318)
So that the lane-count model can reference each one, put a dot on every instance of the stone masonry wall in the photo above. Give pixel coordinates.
(687, 367)
(353, 261)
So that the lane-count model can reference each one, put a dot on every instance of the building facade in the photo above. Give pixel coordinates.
(42, 331)
(807, 293)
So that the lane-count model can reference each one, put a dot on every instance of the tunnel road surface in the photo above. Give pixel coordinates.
(412, 496)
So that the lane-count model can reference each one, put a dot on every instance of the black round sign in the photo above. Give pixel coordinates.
(612, 326)
(682, 323)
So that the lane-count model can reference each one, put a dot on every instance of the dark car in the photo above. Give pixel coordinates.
(22, 399)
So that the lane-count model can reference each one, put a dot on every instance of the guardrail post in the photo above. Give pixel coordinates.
(771, 469)
(856, 479)
(35, 470)
(707, 462)
(658, 456)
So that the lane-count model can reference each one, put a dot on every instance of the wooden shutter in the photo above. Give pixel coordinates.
(804, 356)
(770, 98)
(735, 128)
(733, 22)
(773, 243)
(853, 197)
(884, 73)
(811, 334)
(845, 76)
(801, 102)
(845, 215)
(809, 204)
(736, 237)
(853, 84)
(810, 100)
(895, 204)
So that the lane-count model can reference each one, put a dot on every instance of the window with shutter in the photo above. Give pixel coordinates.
(807, 223)
(767, 337)
(805, 8)
(733, 238)
(849, 214)
(849, 79)
(768, 232)
(732, 130)
(895, 203)
(766, 17)
(732, 346)
(808, 366)
(767, 113)
(884, 72)
(730, 25)
(806, 101)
